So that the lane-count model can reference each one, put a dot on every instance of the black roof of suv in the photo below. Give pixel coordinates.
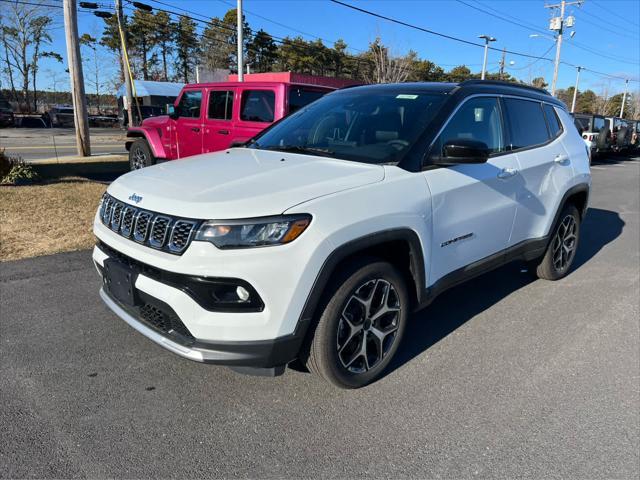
(468, 87)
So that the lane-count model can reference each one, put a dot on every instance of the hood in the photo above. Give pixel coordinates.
(157, 121)
(240, 183)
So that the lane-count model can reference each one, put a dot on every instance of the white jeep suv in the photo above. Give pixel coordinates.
(315, 240)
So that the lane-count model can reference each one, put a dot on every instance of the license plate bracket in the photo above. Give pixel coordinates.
(120, 279)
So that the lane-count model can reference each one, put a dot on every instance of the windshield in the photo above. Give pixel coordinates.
(369, 127)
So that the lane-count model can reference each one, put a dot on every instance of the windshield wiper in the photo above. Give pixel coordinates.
(325, 152)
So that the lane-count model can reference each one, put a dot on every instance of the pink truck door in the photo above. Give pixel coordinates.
(218, 123)
(189, 123)
(257, 111)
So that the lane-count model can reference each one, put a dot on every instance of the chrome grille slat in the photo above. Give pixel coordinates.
(181, 233)
(158, 231)
(116, 215)
(141, 229)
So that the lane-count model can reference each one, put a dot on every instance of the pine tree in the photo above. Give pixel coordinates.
(187, 49)
(164, 37)
(262, 52)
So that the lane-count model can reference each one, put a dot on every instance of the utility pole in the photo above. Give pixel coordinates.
(624, 96)
(80, 116)
(125, 61)
(575, 90)
(487, 39)
(558, 23)
(240, 41)
(504, 54)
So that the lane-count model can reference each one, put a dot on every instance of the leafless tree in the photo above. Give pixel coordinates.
(387, 68)
(24, 29)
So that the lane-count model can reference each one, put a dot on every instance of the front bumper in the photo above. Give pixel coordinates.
(259, 354)
(160, 316)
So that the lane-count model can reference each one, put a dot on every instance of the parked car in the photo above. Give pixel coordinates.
(594, 131)
(211, 116)
(620, 134)
(317, 239)
(6, 114)
(62, 116)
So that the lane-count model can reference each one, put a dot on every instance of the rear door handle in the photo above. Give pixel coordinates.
(223, 132)
(507, 173)
(195, 129)
(561, 159)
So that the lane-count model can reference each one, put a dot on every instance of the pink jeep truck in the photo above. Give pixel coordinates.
(207, 117)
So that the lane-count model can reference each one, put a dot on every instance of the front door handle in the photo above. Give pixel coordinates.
(561, 159)
(223, 132)
(195, 129)
(507, 173)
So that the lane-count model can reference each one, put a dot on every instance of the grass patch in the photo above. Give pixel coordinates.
(48, 218)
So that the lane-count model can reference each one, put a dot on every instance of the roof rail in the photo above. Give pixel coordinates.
(504, 84)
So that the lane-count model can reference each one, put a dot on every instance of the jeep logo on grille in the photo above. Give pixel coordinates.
(135, 198)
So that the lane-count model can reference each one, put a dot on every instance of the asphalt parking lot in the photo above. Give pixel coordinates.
(501, 377)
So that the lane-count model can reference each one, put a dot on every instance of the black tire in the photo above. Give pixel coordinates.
(621, 139)
(140, 155)
(602, 141)
(561, 251)
(349, 367)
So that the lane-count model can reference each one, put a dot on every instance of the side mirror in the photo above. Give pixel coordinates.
(171, 111)
(464, 151)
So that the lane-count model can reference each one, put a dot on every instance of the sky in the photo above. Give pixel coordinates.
(607, 33)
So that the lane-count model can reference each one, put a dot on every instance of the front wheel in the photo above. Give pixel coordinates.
(561, 252)
(140, 155)
(361, 326)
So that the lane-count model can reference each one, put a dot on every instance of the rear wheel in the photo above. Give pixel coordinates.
(140, 155)
(561, 252)
(361, 326)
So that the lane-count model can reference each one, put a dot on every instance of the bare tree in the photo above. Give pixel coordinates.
(24, 28)
(96, 64)
(385, 67)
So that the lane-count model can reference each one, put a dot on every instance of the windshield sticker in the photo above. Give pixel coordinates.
(406, 96)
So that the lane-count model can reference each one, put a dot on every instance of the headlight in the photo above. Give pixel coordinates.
(259, 232)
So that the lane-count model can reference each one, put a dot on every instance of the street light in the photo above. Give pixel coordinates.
(487, 39)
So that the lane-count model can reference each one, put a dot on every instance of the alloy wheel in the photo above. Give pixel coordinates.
(564, 244)
(368, 325)
(139, 159)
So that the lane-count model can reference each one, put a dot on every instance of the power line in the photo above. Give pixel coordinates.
(528, 26)
(583, 18)
(432, 32)
(609, 12)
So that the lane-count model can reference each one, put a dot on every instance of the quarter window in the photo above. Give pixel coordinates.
(527, 124)
(555, 128)
(189, 105)
(478, 119)
(300, 97)
(257, 105)
(220, 105)
(598, 124)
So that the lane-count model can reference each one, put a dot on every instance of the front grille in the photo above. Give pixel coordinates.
(159, 231)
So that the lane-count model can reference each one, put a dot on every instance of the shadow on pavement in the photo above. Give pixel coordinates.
(456, 306)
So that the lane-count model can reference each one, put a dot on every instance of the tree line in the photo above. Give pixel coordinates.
(168, 47)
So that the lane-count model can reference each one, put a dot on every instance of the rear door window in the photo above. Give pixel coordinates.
(555, 127)
(257, 105)
(300, 97)
(189, 105)
(598, 124)
(527, 124)
(220, 105)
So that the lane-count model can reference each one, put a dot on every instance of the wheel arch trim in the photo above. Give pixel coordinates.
(152, 138)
